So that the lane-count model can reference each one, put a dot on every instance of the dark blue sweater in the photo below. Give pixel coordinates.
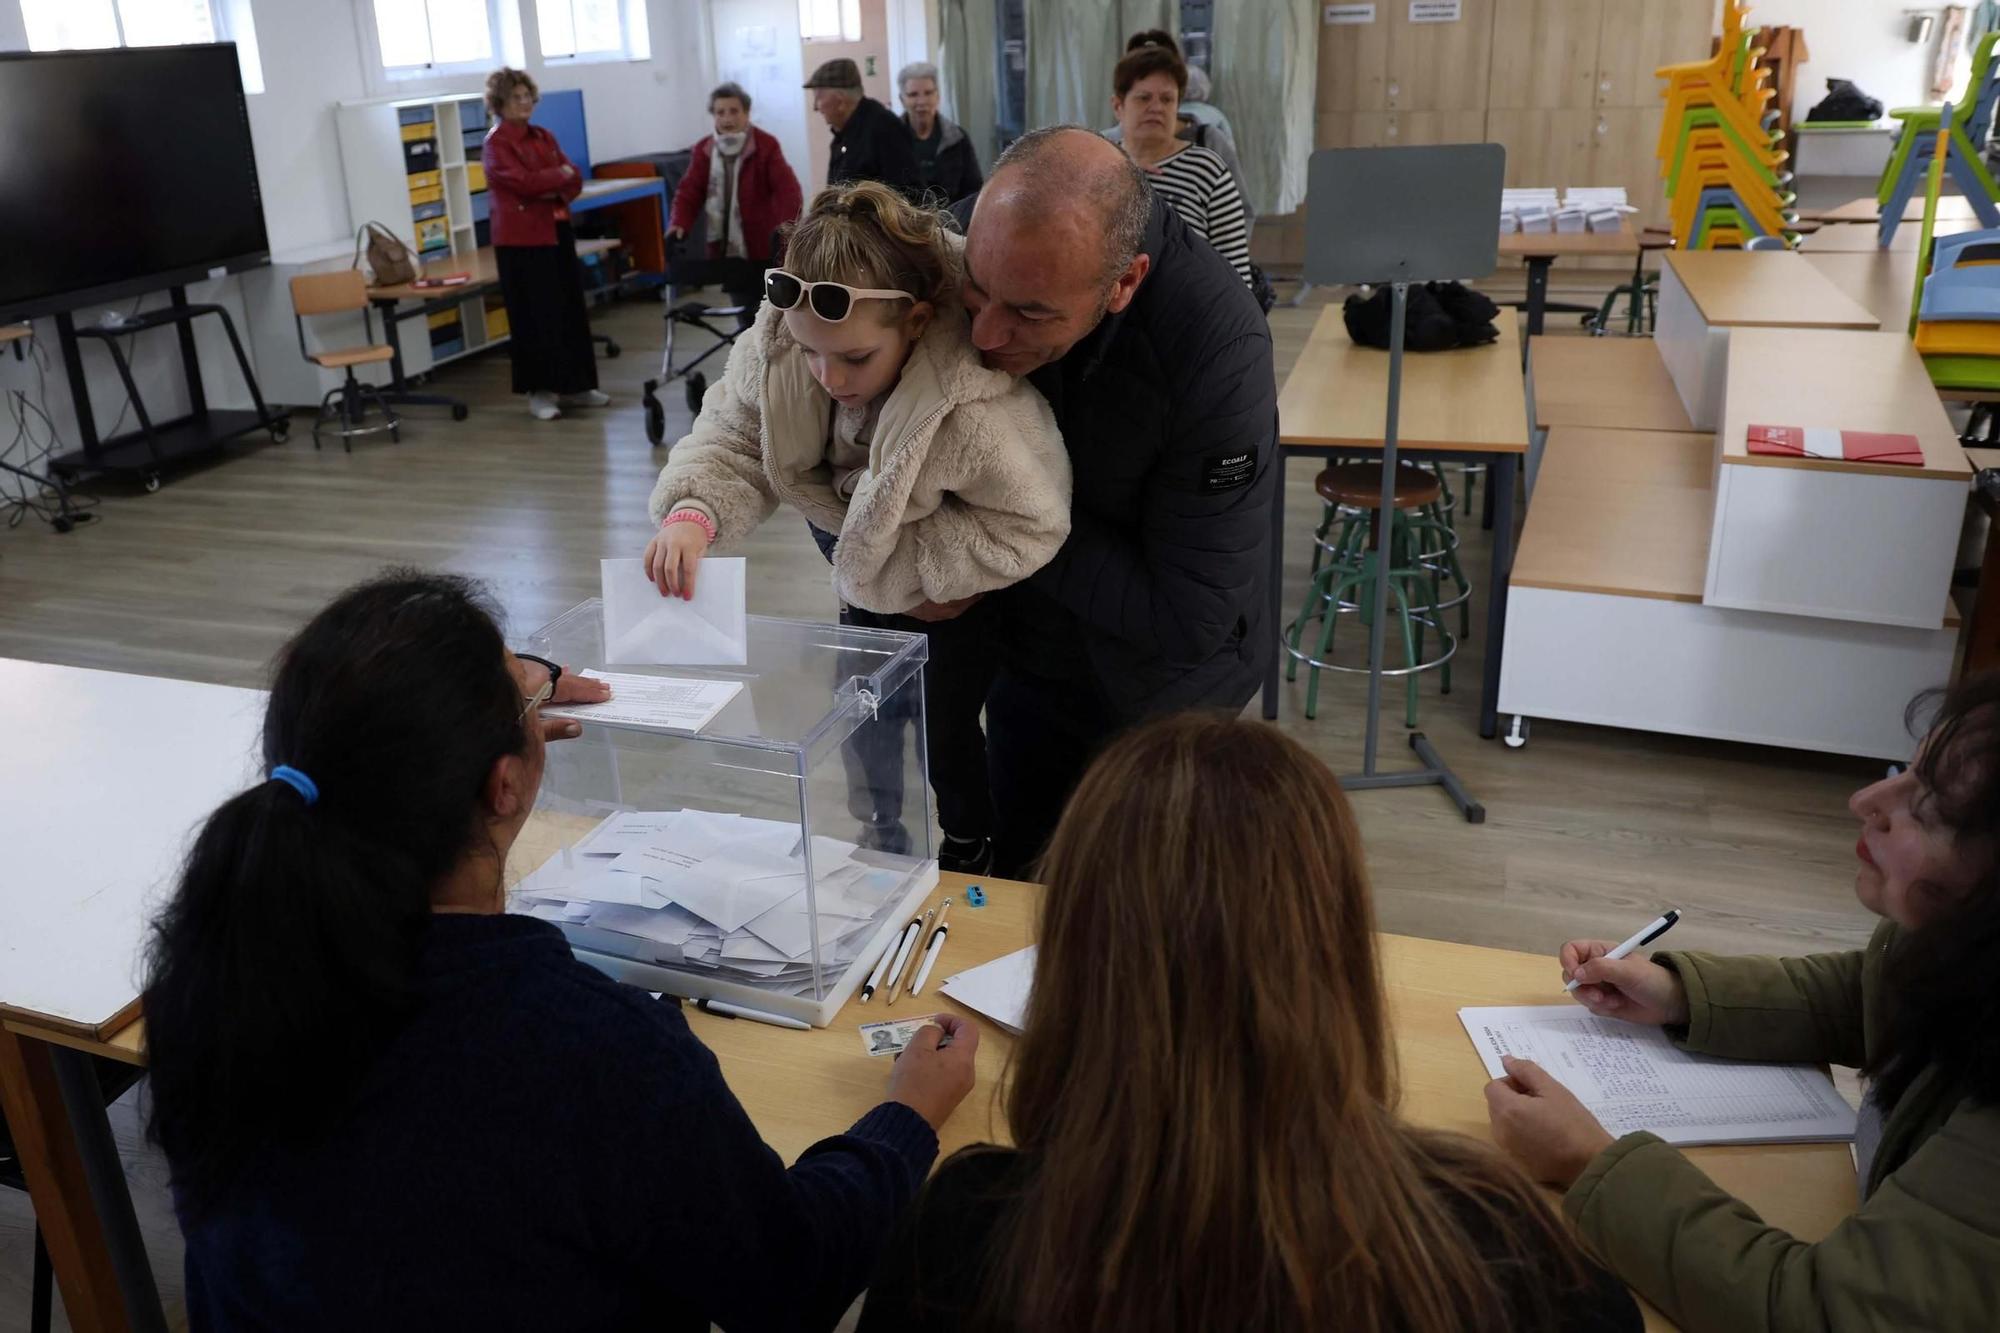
(543, 1148)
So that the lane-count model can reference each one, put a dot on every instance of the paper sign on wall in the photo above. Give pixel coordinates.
(1436, 11)
(1338, 16)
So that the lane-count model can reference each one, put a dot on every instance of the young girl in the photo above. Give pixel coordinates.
(1204, 1094)
(928, 480)
(1917, 1010)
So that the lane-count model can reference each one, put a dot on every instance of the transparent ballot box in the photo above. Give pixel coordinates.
(766, 858)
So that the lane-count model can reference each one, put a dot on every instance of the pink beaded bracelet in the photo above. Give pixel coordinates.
(692, 516)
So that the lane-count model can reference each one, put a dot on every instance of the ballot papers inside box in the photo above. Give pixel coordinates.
(765, 856)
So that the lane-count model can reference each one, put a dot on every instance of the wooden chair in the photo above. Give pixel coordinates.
(338, 294)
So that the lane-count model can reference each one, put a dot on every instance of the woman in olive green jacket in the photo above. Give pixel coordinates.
(1917, 1010)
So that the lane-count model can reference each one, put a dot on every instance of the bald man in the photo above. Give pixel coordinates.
(1157, 362)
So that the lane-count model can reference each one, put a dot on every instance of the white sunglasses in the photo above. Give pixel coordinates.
(831, 301)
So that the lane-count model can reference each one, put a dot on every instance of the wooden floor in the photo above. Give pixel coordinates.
(1589, 831)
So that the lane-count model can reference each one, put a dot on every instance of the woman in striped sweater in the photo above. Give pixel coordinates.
(1147, 88)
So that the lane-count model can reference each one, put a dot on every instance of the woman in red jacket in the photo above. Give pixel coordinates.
(740, 180)
(530, 183)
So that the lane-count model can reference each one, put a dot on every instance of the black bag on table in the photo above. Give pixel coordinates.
(1844, 101)
(1439, 317)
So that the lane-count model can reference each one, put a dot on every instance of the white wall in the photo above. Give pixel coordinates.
(312, 58)
(1862, 40)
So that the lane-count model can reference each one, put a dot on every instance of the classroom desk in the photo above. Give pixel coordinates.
(1854, 238)
(1464, 406)
(484, 269)
(1882, 281)
(1706, 295)
(799, 1087)
(1618, 383)
(1541, 249)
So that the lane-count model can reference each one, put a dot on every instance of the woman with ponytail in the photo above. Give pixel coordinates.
(387, 1104)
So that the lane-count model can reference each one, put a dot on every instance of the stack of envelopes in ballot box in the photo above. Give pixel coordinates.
(1721, 147)
(752, 833)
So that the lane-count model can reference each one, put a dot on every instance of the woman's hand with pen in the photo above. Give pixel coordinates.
(1634, 989)
(934, 1073)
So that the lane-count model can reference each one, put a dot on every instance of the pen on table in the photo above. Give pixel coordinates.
(931, 950)
(724, 1009)
(896, 972)
(900, 940)
(1655, 928)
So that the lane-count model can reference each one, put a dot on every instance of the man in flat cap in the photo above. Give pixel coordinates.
(870, 142)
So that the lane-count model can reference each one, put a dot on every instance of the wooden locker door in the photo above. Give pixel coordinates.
(1639, 37)
(1623, 146)
(1439, 66)
(1353, 66)
(1335, 129)
(1544, 54)
(1547, 149)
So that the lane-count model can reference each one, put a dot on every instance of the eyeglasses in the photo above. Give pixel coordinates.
(831, 301)
(547, 689)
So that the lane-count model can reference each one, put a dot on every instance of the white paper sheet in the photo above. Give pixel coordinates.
(642, 628)
(1631, 1077)
(998, 989)
(666, 925)
(673, 702)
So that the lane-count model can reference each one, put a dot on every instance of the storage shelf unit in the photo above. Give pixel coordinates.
(413, 166)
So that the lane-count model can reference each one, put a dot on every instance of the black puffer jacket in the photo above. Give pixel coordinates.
(875, 145)
(1170, 412)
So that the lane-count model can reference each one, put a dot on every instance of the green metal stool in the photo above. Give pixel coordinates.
(1343, 578)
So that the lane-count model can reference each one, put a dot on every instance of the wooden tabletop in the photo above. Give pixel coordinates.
(800, 1087)
(1865, 209)
(1855, 238)
(1851, 381)
(1764, 289)
(1617, 383)
(15, 332)
(483, 267)
(1882, 281)
(1624, 512)
(1471, 400)
(1537, 245)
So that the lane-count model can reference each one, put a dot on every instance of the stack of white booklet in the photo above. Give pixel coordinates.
(717, 893)
(1631, 1077)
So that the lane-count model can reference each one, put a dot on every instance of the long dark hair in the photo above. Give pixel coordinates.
(1212, 1112)
(282, 965)
(1943, 1002)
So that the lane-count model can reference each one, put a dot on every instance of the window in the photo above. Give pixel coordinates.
(581, 28)
(69, 25)
(830, 20)
(424, 34)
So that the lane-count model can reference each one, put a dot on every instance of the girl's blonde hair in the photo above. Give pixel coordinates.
(867, 235)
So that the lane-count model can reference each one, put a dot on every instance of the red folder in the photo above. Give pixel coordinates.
(1853, 446)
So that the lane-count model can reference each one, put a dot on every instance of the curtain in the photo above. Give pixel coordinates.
(1265, 61)
(1072, 47)
(967, 32)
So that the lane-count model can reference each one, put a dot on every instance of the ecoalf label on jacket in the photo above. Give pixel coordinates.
(1227, 472)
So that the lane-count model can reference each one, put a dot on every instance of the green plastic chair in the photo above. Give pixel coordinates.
(1920, 120)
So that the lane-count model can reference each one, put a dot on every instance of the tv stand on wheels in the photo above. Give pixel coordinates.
(157, 445)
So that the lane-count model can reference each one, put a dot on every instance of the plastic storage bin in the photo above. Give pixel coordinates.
(790, 839)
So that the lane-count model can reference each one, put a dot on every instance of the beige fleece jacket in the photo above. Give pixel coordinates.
(967, 487)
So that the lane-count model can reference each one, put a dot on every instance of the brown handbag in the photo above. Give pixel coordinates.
(388, 258)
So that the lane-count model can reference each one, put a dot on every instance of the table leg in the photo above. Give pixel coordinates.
(1500, 483)
(1538, 294)
(1277, 586)
(399, 391)
(56, 1116)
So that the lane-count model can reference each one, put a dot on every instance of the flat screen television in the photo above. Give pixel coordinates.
(123, 172)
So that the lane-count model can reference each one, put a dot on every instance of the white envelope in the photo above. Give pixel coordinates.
(642, 628)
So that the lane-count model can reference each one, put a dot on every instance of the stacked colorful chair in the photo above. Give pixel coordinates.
(1958, 314)
(1964, 134)
(1721, 148)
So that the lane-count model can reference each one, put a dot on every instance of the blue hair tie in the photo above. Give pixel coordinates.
(297, 781)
